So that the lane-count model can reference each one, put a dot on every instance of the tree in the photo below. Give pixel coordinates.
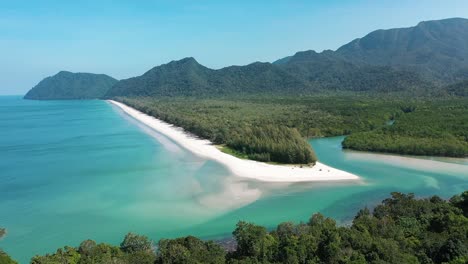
(133, 243)
(86, 247)
(461, 201)
(253, 241)
(189, 250)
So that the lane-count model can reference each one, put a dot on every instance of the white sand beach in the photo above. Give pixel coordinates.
(239, 167)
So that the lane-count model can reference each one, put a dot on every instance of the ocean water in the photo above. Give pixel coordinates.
(73, 170)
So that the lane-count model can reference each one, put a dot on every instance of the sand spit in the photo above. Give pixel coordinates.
(239, 167)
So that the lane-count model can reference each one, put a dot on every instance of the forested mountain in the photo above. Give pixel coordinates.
(304, 73)
(411, 60)
(327, 71)
(187, 77)
(437, 49)
(68, 85)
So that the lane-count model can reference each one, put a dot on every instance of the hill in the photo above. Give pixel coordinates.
(68, 85)
(187, 77)
(436, 49)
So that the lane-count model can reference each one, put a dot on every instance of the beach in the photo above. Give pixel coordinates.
(240, 167)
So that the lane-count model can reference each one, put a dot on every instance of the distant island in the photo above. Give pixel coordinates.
(415, 77)
(67, 85)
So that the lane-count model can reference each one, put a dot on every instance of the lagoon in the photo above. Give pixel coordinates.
(73, 170)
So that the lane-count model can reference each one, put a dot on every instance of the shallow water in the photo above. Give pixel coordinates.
(73, 170)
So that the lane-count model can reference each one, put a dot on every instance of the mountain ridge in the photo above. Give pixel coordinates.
(437, 49)
(186, 77)
(416, 60)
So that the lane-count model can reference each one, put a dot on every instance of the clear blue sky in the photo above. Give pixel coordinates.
(126, 38)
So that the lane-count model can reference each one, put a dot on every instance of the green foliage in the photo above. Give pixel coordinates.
(272, 128)
(67, 85)
(5, 259)
(133, 243)
(189, 250)
(271, 143)
(67, 255)
(434, 128)
(461, 201)
(400, 230)
(134, 250)
(233, 124)
(253, 242)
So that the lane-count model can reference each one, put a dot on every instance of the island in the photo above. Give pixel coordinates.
(68, 86)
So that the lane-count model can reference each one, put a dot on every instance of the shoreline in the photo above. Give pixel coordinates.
(239, 167)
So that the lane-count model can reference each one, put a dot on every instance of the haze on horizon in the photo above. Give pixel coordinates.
(125, 39)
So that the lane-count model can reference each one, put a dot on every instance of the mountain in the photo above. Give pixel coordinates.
(328, 71)
(438, 49)
(68, 85)
(419, 60)
(187, 77)
(304, 73)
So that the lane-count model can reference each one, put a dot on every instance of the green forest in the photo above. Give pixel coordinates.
(434, 128)
(275, 129)
(402, 229)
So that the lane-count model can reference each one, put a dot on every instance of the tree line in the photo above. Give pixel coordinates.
(275, 129)
(436, 128)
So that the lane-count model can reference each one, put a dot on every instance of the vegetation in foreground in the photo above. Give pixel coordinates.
(400, 230)
(273, 129)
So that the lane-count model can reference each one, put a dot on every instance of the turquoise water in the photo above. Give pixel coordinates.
(73, 170)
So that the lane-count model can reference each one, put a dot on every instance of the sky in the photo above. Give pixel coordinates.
(126, 38)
